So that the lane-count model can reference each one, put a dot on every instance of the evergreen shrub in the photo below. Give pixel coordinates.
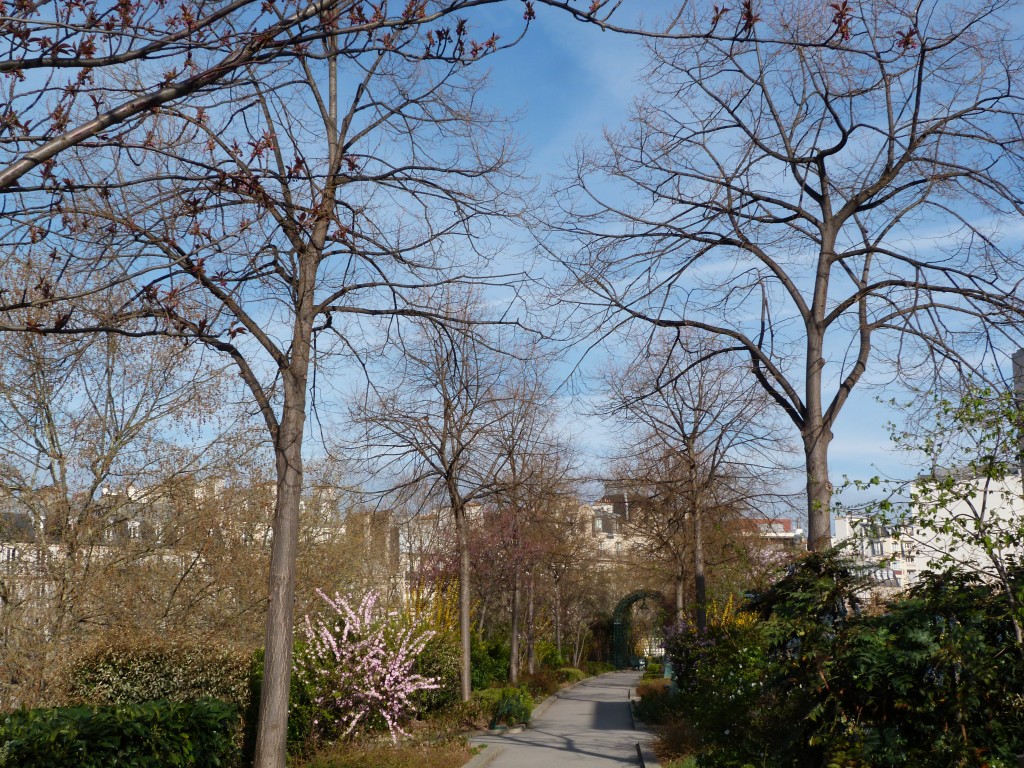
(439, 660)
(490, 661)
(513, 706)
(137, 670)
(153, 734)
(934, 680)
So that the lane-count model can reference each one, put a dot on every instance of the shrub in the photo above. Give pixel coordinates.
(541, 684)
(357, 666)
(657, 703)
(198, 734)
(145, 670)
(439, 661)
(490, 661)
(933, 681)
(571, 675)
(513, 705)
(478, 711)
(598, 667)
(548, 655)
(654, 671)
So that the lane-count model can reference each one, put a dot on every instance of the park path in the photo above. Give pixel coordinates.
(586, 726)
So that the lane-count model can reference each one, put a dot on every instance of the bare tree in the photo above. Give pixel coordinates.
(108, 446)
(283, 221)
(705, 451)
(530, 489)
(75, 72)
(820, 190)
(432, 424)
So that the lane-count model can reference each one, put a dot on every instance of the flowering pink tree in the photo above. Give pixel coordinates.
(358, 665)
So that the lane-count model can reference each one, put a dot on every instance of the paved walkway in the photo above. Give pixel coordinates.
(586, 726)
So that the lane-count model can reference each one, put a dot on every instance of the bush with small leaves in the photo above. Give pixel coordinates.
(199, 734)
(135, 670)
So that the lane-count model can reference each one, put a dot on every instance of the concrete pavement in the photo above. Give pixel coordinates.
(587, 726)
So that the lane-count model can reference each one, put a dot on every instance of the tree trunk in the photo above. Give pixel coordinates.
(558, 617)
(465, 669)
(699, 581)
(819, 490)
(513, 656)
(272, 732)
(531, 646)
(680, 601)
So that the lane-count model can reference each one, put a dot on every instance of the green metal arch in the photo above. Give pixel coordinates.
(620, 621)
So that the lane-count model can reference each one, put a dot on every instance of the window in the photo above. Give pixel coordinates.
(877, 547)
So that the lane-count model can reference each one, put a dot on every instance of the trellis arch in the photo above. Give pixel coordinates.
(621, 621)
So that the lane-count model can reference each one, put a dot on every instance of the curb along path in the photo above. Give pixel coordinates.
(587, 726)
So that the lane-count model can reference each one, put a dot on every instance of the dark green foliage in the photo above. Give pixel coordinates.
(597, 667)
(154, 734)
(514, 705)
(937, 680)
(439, 660)
(489, 661)
(719, 673)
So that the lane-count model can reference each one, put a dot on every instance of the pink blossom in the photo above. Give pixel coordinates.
(359, 663)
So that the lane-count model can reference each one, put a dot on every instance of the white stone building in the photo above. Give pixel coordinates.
(981, 527)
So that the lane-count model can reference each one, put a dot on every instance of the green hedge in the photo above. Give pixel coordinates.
(120, 673)
(571, 675)
(598, 667)
(154, 734)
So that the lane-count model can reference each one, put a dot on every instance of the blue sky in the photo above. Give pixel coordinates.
(569, 81)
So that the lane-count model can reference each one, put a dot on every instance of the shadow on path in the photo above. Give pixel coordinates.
(589, 725)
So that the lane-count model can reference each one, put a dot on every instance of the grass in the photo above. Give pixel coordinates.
(450, 754)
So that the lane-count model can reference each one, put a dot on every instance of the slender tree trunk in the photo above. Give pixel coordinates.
(465, 669)
(558, 617)
(699, 582)
(272, 729)
(531, 646)
(513, 656)
(481, 616)
(272, 733)
(680, 600)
